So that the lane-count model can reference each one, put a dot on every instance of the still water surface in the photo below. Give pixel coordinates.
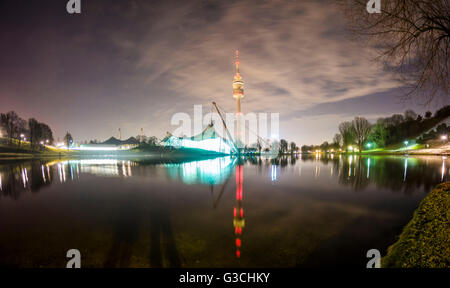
(222, 212)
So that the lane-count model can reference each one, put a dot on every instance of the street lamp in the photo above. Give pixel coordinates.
(406, 145)
(444, 137)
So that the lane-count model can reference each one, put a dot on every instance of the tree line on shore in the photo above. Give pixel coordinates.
(17, 130)
(360, 133)
(353, 135)
(13, 127)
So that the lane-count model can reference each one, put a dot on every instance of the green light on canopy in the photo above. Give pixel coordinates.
(208, 140)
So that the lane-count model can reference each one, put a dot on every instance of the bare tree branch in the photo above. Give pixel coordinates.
(413, 38)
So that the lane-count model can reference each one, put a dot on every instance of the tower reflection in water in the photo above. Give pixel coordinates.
(215, 172)
(238, 210)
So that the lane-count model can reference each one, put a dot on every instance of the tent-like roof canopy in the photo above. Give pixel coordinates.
(208, 133)
(201, 141)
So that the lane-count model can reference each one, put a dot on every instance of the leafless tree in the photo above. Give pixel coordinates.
(12, 124)
(413, 38)
(410, 115)
(347, 132)
(337, 139)
(68, 139)
(362, 130)
(293, 147)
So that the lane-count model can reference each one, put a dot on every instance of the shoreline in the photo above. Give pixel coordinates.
(378, 153)
(423, 242)
(39, 155)
(154, 155)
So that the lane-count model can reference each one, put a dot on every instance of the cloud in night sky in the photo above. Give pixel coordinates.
(133, 64)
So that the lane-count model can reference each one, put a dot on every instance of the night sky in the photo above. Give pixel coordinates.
(133, 64)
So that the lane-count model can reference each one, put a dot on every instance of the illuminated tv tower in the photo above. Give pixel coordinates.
(238, 94)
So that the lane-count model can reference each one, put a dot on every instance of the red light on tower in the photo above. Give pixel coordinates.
(238, 210)
(238, 242)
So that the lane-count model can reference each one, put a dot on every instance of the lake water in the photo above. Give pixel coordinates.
(223, 212)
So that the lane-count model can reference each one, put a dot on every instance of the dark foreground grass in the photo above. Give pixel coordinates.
(425, 240)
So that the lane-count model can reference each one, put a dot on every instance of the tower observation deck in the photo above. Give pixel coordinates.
(238, 85)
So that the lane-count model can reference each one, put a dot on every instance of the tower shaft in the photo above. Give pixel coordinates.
(238, 94)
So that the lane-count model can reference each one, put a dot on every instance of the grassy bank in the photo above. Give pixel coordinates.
(414, 149)
(25, 151)
(425, 240)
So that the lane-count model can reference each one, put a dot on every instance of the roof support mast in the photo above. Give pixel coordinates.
(224, 125)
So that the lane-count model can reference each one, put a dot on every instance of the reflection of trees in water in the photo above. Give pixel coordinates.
(385, 172)
(254, 160)
(293, 160)
(354, 173)
(397, 174)
(17, 179)
(283, 161)
(358, 172)
(11, 182)
(394, 173)
(390, 173)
